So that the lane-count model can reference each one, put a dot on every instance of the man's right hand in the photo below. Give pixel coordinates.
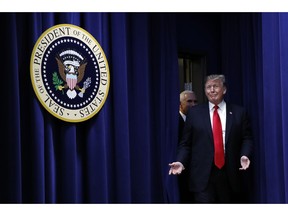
(176, 168)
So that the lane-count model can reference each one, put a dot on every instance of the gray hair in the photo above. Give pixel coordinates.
(220, 77)
(183, 93)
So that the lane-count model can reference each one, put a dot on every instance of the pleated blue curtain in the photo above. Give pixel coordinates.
(274, 160)
(121, 155)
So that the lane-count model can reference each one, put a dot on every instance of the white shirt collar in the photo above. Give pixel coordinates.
(183, 115)
(220, 105)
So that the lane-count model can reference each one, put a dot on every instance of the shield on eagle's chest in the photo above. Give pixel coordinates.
(71, 80)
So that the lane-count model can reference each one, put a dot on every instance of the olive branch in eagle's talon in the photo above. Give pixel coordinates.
(57, 82)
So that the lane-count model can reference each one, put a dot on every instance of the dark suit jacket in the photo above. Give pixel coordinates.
(180, 128)
(196, 148)
(183, 179)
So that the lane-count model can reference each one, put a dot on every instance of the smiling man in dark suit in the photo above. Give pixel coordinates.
(212, 181)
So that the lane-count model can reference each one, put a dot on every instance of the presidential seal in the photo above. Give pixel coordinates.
(69, 73)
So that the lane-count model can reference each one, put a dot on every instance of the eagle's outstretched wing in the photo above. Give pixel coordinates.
(81, 71)
(61, 68)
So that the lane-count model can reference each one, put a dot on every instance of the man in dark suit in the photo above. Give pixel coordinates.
(187, 99)
(210, 182)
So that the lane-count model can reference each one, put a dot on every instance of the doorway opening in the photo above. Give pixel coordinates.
(192, 72)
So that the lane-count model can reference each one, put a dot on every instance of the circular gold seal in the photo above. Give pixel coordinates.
(69, 73)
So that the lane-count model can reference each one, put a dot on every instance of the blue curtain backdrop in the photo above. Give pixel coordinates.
(274, 148)
(121, 155)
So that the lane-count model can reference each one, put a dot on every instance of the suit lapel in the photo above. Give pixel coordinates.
(229, 115)
(207, 121)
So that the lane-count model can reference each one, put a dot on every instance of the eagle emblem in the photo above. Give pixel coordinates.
(71, 67)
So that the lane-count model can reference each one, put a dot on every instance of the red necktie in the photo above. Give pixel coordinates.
(218, 140)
